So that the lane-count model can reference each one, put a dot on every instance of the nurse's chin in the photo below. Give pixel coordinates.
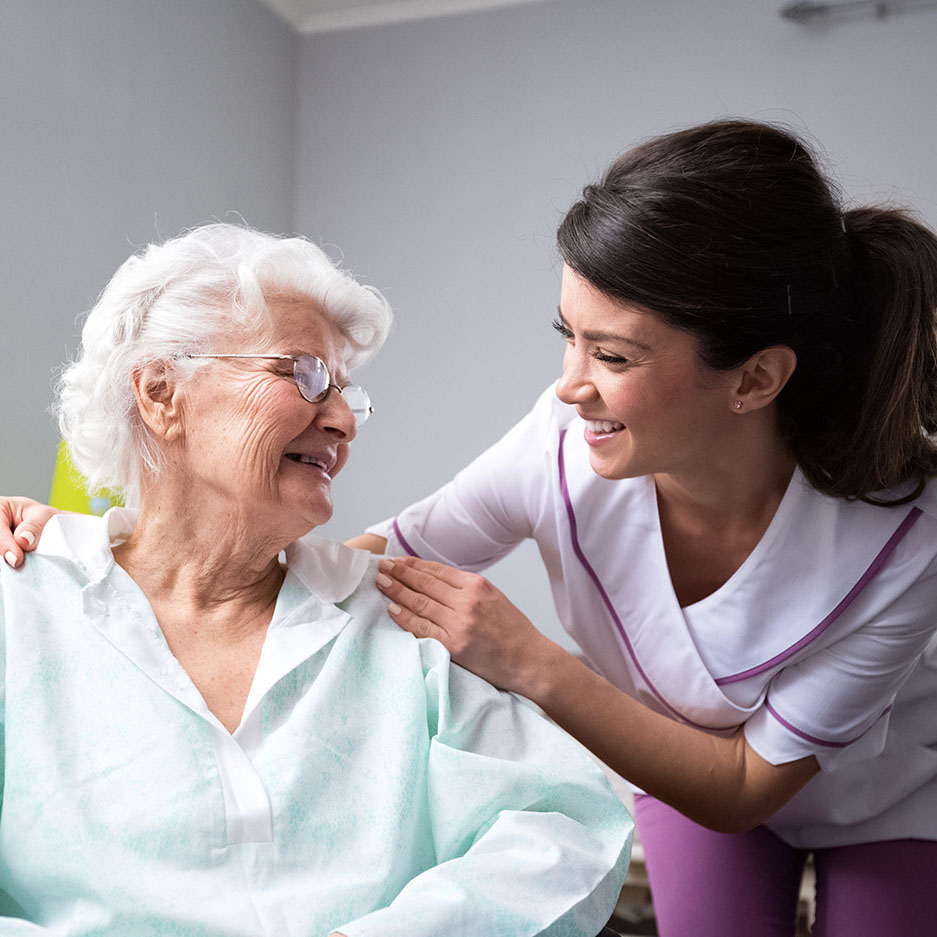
(606, 466)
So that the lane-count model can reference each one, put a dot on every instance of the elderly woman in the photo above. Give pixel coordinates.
(211, 726)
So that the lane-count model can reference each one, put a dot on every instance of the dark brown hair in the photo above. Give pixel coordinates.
(730, 232)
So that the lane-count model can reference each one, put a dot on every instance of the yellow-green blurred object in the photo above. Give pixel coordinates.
(69, 492)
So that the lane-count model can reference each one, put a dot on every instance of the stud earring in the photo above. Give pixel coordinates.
(737, 404)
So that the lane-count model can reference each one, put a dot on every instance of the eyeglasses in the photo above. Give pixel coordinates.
(314, 382)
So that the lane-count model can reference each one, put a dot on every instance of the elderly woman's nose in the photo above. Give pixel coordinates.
(334, 415)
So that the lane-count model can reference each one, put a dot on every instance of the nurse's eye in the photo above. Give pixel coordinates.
(561, 328)
(606, 358)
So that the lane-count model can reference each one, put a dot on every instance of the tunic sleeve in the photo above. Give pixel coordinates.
(836, 702)
(529, 837)
(490, 506)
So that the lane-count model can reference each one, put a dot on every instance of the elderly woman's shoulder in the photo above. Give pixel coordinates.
(75, 542)
(368, 609)
(368, 605)
(365, 595)
(344, 576)
(48, 587)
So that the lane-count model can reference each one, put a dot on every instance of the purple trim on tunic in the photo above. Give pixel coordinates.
(574, 538)
(864, 580)
(812, 738)
(403, 541)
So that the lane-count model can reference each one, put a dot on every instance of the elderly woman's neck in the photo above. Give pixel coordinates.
(217, 558)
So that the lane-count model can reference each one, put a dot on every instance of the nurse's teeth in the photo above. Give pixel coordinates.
(604, 426)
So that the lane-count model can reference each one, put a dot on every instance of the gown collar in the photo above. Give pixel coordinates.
(319, 574)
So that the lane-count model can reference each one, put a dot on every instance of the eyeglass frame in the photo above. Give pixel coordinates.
(319, 397)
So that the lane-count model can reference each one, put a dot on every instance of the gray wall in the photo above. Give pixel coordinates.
(440, 155)
(437, 156)
(121, 122)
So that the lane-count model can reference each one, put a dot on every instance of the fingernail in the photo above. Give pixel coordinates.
(383, 580)
(386, 565)
(28, 536)
(394, 608)
(10, 557)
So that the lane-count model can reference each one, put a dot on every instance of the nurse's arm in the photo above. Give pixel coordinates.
(370, 542)
(720, 782)
(21, 523)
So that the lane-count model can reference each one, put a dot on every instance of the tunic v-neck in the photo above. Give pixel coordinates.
(769, 533)
(702, 616)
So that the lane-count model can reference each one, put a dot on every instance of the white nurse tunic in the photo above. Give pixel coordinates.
(821, 643)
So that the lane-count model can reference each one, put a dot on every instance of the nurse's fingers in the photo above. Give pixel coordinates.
(21, 523)
(434, 580)
(414, 601)
(402, 609)
(448, 574)
(418, 627)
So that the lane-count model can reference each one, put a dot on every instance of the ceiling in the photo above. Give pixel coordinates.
(318, 16)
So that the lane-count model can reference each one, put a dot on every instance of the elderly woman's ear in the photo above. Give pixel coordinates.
(158, 398)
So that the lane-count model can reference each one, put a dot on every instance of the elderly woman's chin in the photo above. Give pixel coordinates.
(305, 495)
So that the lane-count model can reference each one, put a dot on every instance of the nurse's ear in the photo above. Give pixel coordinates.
(762, 378)
(158, 397)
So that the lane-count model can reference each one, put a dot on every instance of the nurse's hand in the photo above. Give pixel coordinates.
(482, 630)
(21, 523)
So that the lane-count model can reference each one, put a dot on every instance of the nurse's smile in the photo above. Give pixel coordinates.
(598, 432)
(648, 402)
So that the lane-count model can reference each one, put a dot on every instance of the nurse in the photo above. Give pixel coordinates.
(731, 489)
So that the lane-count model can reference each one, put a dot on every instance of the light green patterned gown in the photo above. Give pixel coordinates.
(372, 787)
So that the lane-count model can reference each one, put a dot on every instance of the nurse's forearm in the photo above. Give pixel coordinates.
(719, 782)
(370, 542)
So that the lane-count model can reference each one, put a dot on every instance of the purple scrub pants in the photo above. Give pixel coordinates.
(707, 884)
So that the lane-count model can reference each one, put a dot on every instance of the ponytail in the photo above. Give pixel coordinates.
(887, 435)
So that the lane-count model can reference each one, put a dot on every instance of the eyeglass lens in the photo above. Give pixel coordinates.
(312, 377)
(313, 380)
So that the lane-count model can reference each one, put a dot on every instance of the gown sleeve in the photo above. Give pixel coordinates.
(12, 924)
(529, 837)
(836, 703)
(490, 506)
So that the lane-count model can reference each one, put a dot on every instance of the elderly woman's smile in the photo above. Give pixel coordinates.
(250, 441)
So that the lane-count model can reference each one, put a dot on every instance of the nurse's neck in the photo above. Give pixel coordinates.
(711, 521)
(736, 488)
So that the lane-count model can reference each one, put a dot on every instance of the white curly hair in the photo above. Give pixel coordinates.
(174, 299)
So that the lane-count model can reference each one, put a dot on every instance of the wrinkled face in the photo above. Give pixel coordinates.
(251, 438)
(650, 405)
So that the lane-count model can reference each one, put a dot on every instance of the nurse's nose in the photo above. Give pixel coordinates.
(575, 386)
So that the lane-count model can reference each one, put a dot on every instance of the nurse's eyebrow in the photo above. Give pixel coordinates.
(599, 337)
